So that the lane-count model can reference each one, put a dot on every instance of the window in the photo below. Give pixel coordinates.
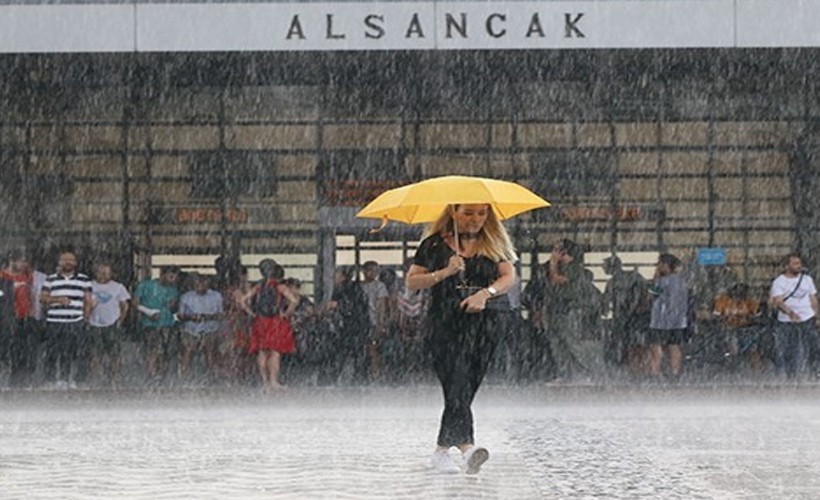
(568, 175)
(53, 205)
(233, 173)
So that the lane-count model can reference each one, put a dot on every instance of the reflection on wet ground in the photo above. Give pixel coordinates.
(546, 442)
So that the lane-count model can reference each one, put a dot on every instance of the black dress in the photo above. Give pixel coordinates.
(461, 344)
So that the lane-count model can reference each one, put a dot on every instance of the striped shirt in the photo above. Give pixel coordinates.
(75, 287)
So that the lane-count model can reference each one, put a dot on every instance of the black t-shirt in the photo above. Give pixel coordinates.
(352, 308)
(480, 271)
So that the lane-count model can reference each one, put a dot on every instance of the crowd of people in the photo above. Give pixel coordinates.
(69, 330)
(688, 319)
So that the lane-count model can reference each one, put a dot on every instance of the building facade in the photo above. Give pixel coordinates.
(138, 155)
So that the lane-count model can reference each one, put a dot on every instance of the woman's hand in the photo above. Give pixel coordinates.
(454, 265)
(476, 302)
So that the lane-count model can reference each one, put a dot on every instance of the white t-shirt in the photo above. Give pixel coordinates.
(38, 280)
(800, 302)
(375, 291)
(107, 298)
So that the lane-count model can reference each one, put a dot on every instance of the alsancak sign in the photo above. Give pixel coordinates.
(444, 25)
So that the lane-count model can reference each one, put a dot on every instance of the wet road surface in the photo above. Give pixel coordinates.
(708, 442)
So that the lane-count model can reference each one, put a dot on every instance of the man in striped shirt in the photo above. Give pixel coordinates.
(67, 297)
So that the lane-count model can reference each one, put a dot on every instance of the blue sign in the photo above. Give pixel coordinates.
(712, 256)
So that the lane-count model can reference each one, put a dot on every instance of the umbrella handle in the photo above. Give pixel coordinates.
(384, 223)
(455, 229)
(462, 272)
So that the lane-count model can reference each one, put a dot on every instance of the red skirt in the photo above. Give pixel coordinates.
(272, 334)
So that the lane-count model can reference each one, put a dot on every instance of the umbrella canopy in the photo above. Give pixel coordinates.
(425, 201)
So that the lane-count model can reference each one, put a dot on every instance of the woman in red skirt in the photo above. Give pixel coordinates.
(271, 305)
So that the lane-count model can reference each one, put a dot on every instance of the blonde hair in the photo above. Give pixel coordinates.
(493, 241)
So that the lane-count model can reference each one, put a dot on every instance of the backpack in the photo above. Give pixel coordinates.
(266, 301)
(644, 300)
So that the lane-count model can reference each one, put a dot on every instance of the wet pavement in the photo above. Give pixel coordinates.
(562, 442)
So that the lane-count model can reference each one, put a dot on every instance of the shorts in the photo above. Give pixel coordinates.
(163, 340)
(667, 337)
(191, 342)
(106, 340)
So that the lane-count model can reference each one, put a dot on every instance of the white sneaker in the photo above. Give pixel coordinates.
(474, 458)
(443, 463)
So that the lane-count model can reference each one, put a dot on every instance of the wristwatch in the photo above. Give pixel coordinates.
(492, 291)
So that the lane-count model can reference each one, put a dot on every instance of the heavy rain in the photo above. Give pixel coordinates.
(196, 303)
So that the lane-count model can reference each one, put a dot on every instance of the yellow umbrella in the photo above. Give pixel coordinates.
(425, 201)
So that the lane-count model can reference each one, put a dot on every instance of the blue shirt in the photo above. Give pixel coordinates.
(670, 308)
(193, 303)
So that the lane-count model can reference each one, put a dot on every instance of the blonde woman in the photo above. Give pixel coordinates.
(466, 259)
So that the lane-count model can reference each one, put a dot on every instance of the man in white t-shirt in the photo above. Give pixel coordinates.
(110, 308)
(794, 295)
(377, 294)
